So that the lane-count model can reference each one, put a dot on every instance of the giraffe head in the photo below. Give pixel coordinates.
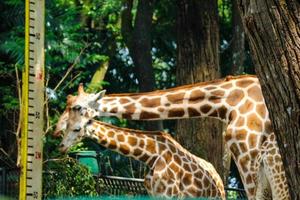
(77, 118)
(84, 100)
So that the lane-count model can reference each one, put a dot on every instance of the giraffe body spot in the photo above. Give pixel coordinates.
(161, 109)
(161, 147)
(192, 191)
(244, 83)
(174, 167)
(240, 121)
(198, 183)
(123, 100)
(132, 140)
(222, 111)
(124, 149)
(120, 138)
(234, 149)
(150, 146)
(249, 179)
(241, 134)
(187, 179)
(112, 144)
(114, 110)
(193, 112)
(246, 107)
(177, 159)
(194, 167)
(141, 143)
(218, 93)
(196, 96)
(144, 157)
(270, 161)
(261, 110)
(137, 152)
(205, 109)
(214, 99)
(186, 167)
(254, 154)
(255, 94)
(206, 182)
(126, 116)
(243, 147)
(152, 160)
(129, 109)
(228, 135)
(252, 140)
(176, 112)
(232, 115)
(150, 103)
(244, 161)
(168, 157)
(148, 115)
(226, 86)
(254, 123)
(176, 98)
(235, 97)
(160, 165)
(110, 134)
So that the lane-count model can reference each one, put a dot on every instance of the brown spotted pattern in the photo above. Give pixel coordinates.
(237, 101)
(174, 172)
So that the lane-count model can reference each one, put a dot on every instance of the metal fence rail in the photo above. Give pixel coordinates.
(114, 185)
(106, 185)
(9, 182)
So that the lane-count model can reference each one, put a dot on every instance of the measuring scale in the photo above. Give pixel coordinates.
(32, 102)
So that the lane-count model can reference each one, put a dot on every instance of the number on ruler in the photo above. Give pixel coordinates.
(38, 36)
(38, 155)
(35, 195)
(37, 115)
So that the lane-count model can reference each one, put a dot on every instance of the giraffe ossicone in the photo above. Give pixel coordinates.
(237, 101)
(173, 171)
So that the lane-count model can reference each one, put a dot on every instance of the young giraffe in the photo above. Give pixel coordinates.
(174, 172)
(237, 101)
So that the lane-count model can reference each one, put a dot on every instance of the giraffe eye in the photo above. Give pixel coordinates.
(77, 129)
(77, 107)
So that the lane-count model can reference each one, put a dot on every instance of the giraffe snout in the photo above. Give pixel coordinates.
(62, 148)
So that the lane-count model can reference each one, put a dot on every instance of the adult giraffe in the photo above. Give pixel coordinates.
(237, 101)
(174, 171)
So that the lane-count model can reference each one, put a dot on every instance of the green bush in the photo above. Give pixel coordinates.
(67, 178)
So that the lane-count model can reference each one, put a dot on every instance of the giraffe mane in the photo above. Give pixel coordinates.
(216, 81)
(156, 133)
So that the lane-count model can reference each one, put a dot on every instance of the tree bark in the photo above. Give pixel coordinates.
(197, 61)
(238, 42)
(273, 30)
(138, 40)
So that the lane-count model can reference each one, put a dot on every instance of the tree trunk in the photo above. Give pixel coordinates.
(238, 42)
(138, 40)
(197, 61)
(274, 36)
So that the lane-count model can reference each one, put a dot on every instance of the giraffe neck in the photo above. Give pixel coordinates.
(211, 99)
(139, 145)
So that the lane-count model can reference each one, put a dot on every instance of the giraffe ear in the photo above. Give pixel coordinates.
(99, 95)
(80, 89)
(93, 101)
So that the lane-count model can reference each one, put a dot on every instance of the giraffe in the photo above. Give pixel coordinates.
(237, 101)
(174, 171)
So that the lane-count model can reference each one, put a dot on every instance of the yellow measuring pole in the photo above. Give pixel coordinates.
(32, 102)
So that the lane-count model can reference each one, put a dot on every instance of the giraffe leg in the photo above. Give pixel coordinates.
(246, 158)
(263, 187)
(273, 167)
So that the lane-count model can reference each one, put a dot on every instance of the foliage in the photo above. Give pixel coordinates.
(67, 177)
(80, 37)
